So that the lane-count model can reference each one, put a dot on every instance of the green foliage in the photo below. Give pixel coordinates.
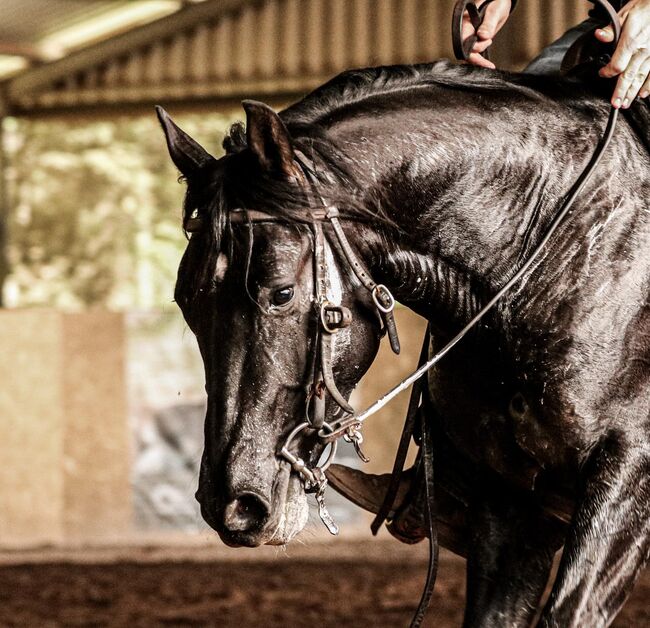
(95, 216)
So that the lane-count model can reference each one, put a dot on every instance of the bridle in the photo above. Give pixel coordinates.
(331, 318)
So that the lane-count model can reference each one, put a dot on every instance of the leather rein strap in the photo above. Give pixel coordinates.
(462, 51)
(476, 14)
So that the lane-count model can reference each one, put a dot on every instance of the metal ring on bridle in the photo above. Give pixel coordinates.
(381, 289)
(332, 453)
(298, 464)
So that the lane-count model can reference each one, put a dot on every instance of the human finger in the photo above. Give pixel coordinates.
(622, 56)
(606, 35)
(477, 59)
(466, 29)
(495, 17)
(627, 77)
(645, 89)
(634, 82)
(482, 46)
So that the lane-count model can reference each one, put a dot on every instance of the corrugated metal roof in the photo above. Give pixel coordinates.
(225, 49)
(43, 30)
(29, 21)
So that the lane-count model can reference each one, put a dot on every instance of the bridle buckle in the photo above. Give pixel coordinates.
(334, 317)
(384, 300)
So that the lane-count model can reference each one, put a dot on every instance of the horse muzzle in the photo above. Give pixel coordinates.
(248, 518)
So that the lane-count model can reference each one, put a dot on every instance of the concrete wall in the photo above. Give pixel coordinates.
(64, 442)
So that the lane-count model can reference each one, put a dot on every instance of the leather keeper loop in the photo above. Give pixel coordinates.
(334, 317)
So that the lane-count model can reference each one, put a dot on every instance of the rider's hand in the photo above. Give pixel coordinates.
(631, 59)
(495, 17)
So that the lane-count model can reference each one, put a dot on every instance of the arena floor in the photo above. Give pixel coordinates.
(367, 583)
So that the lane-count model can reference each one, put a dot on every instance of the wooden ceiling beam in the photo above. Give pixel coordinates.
(27, 51)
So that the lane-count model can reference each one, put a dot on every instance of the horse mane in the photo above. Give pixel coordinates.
(353, 86)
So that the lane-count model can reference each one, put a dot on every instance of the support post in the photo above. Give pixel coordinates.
(4, 205)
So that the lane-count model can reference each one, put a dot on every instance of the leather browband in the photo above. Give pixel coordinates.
(253, 215)
(239, 216)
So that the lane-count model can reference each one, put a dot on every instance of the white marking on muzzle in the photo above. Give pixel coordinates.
(221, 267)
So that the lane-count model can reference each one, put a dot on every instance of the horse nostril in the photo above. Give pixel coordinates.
(246, 512)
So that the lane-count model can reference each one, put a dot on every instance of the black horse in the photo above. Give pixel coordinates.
(447, 177)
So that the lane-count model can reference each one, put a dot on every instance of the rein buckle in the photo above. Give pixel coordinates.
(384, 300)
(334, 317)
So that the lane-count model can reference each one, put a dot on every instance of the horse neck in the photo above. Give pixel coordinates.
(434, 287)
(468, 207)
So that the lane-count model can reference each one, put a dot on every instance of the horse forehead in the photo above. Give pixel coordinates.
(221, 266)
(278, 247)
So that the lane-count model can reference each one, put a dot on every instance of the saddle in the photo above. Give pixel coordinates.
(455, 484)
(401, 498)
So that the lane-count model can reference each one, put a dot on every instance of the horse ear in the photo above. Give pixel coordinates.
(268, 138)
(186, 153)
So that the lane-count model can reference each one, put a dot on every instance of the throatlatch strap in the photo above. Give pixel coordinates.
(386, 313)
(405, 440)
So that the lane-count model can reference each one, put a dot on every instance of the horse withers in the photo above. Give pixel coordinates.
(445, 178)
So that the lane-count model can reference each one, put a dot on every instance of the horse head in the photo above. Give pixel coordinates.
(247, 289)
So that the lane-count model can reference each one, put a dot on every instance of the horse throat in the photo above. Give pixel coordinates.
(434, 288)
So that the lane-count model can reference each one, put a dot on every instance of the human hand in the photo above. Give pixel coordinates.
(496, 15)
(631, 59)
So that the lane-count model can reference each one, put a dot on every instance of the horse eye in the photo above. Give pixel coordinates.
(283, 296)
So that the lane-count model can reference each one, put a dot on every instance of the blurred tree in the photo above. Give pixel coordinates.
(95, 211)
